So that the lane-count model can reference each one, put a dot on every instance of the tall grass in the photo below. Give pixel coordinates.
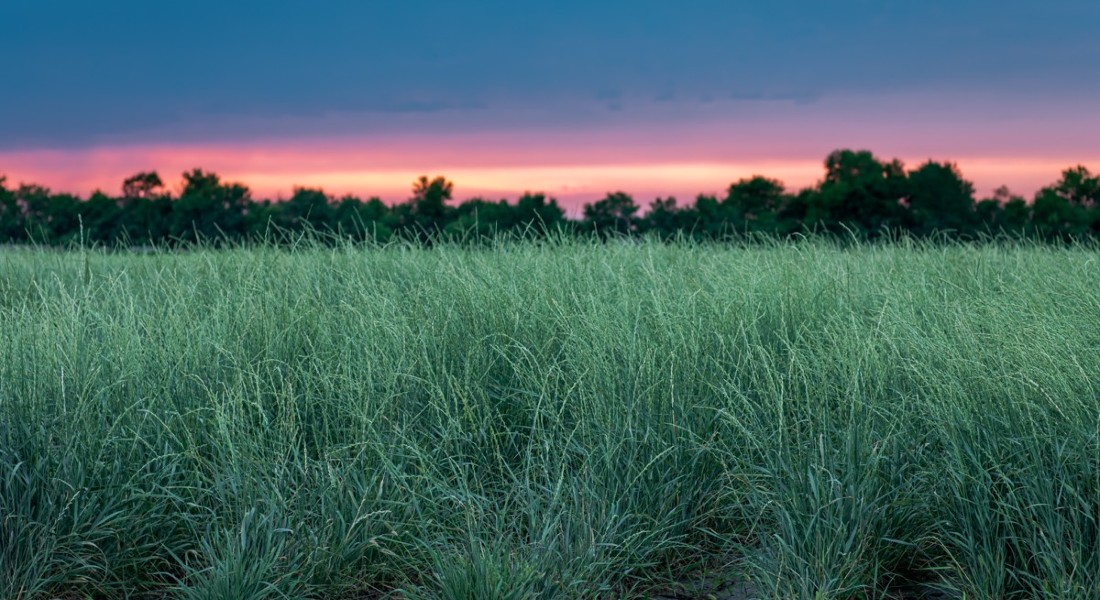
(556, 420)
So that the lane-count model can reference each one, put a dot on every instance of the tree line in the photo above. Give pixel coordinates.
(860, 196)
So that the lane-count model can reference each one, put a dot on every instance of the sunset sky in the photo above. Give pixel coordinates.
(571, 98)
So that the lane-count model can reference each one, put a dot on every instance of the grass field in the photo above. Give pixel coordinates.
(564, 420)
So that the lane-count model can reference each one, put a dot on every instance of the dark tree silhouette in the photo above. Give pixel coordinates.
(535, 213)
(480, 218)
(101, 216)
(613, 215)
(208, 209)
(1015, 213)
(145, 211)
(12, 227)
(429, 200)
(360, 220)
(713, 220)
(664, 219)
(755, 205)
(307, 208)
(48, 218)
(1079, 187)
(940, 200)
(143, 185)
(1069, 208)
(532, 215)
(860, 193)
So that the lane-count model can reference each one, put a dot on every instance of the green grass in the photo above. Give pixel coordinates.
(556, 420)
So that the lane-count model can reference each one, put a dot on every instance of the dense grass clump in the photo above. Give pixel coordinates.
(550, 420)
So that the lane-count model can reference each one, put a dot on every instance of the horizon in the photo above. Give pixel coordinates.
(271, 176)
(683, 181)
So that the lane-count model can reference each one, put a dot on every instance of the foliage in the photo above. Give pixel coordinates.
(859, 197)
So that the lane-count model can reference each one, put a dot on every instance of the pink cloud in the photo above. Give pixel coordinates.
(1019, 147)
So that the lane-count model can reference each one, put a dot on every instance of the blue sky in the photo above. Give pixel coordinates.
(84, 74)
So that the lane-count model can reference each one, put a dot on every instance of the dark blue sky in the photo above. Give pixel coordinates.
(77, 72)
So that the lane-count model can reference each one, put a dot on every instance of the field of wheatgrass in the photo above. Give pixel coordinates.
(556, 420)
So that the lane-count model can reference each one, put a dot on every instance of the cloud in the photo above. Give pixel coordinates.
(79, 73)
(798, 98)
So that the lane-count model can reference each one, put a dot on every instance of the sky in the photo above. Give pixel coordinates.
(573, 98)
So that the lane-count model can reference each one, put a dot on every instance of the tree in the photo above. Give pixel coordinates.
(537, 214)
(1070, 208)
(1004, 212)
(1054, 218)
(755, 204)
(12, 228)
(1078, 187)
(101, 215)
(371, 220)
(860, 193)
(664, 218)
(146, 221)
(713, 219)
(143, 185)
(795, 215)
(307, 208)
(49, 218)
(614, 214)
(480, 218)
(428, 206)
(209, 209)
(940, 200)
